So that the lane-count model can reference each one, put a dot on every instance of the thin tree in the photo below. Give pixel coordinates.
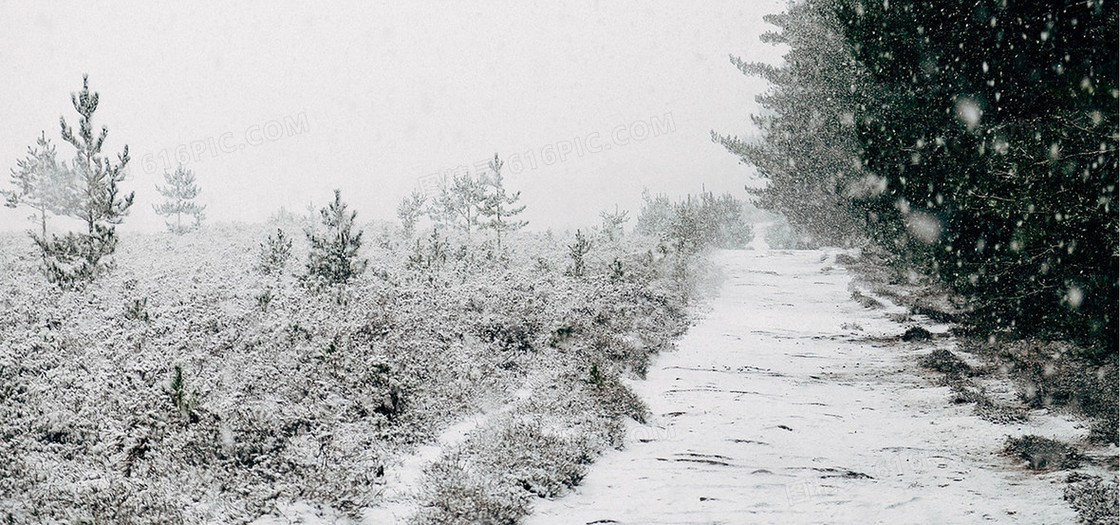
(459, 202)
(99, 202)
(180, 192)
(41, 183)
(614, 222)
(333, 256)
(499, 206)
(409, 210)
(577, 250)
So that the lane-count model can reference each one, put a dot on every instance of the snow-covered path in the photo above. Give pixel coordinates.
(789, 403)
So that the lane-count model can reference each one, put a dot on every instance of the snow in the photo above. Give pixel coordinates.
(402, 491)
(401, 495)
(789, 402)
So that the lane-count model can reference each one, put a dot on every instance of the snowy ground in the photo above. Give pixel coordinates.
(789, 402)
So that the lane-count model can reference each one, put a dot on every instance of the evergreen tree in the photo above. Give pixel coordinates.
(333, 256)
(409, 210)
(498, 205)
(689, 230)
(41, 183)
(995, 133)
(808, 150)
(577, 251)
(656, 214)
(458, 203)
(101, 205)
(724, 220)
(76, 258)
(274, 254)
(614, 222)
(180, 193)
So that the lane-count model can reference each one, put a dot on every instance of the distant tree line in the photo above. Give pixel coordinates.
(974, 140)
(696, 222)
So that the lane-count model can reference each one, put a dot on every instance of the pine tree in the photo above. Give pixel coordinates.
(333, 257)
(498, 205)
(994, 130)
(180, 191)
(614, 222)
(577, 251)
(458, 203)
(77, 258)
(41, 183)
(656, 214)
(724, 220)
(274, 254)
(409, 210)
(808, 150)
(101, 205)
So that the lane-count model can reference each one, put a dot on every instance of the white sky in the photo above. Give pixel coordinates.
(375, 97)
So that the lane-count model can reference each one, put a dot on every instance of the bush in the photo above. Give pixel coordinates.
(137, 310)
(615, 398)
(326, 386)
(1043, 453)
(1094, 500)
(577, 250)
(463, 495)
(274, 254)
(1058, 374)
(695, 223)
(946, 362)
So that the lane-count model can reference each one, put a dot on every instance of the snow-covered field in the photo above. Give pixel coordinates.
(790, 403)
(186, 387)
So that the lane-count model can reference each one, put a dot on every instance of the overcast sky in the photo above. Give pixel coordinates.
(275, 104)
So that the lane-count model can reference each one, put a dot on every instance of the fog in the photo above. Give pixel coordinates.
(275, 105)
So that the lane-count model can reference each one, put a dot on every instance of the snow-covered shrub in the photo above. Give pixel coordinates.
(333, 257)
(1095, 500)
(577, 250)
(183, 399)
(137, 310)
(691, 224)
(306, 395)
(274, 253)
(615, 398)
(465, 495)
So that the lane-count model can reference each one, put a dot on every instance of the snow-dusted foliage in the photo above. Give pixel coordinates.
(995, 134)
(274, 253)
(458, 204)
(75, 259)
(180, 192)
(975, 141)
(614, 223)
(695, 223)
(41, 183)
(499, 207)
(185, 386)
(409, 211)
(808, 149)
(333, 256)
